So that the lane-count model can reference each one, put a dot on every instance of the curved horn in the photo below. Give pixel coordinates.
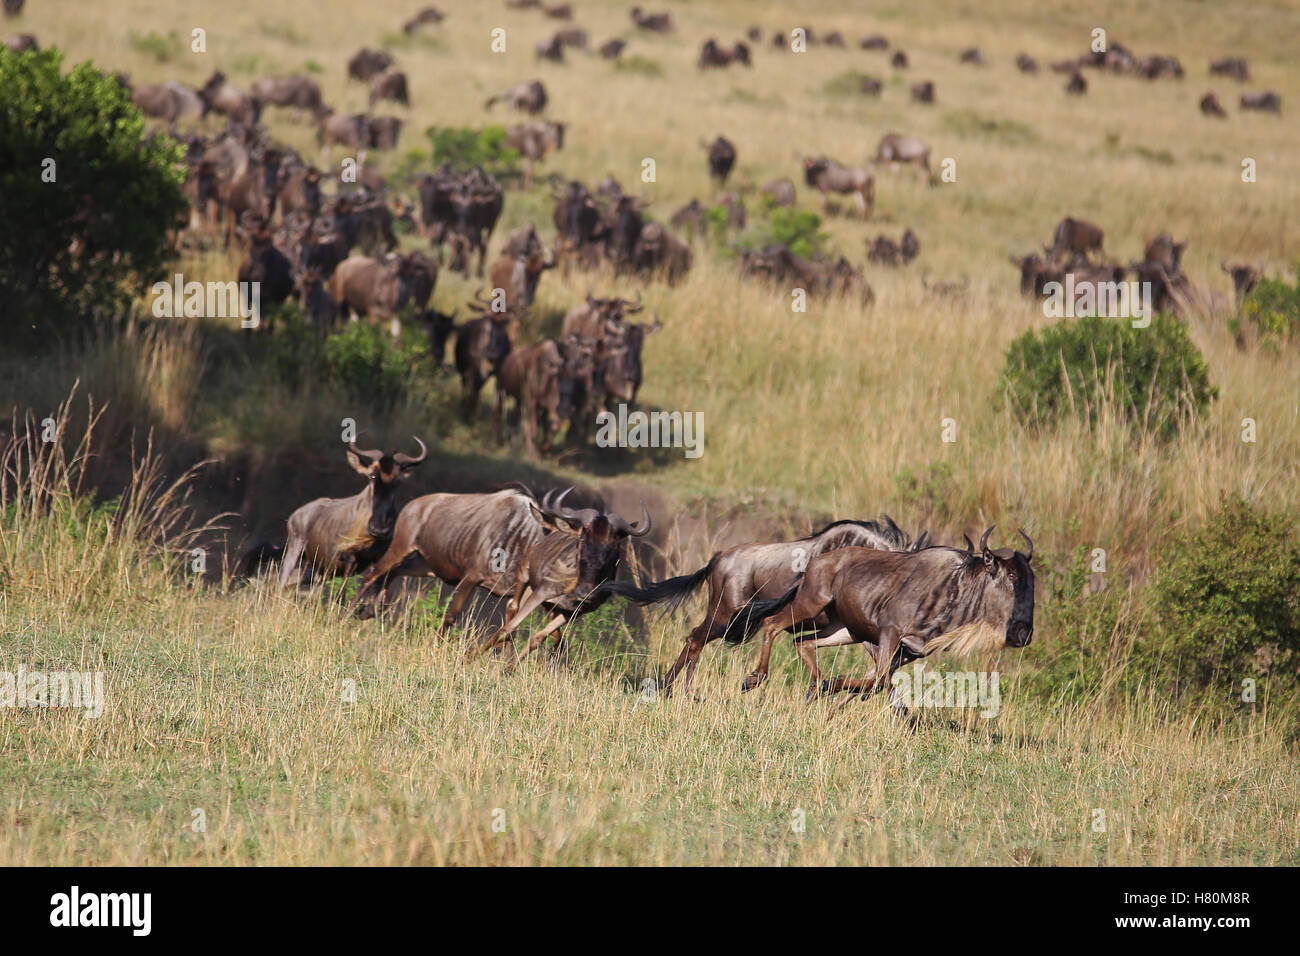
(970, 545)
(1029, 555)
(374, 454)
(984, 540)
(406, 461)
(641, 529)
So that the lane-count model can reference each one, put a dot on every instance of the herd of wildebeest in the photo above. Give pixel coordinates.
(335, 251)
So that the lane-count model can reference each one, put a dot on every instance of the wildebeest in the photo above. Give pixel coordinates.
(341, 536)
(906, 604)
(269, 268)
(315, 302)
(722, 158)
(897, 148)
(220, 96)
(1075, 237)
(899, 60)
(870, 85)
(466, 540)
(655, 22)
(1163, 250)
(389, 85)
(579, 224)
(564, 571)
(426, 15)
(462, 208)
(552, 49)
(884, 251)
(874, 42)
(923, 92)
(352, 130)
(559, 11)
(534, 141)
(1265, 100)
(780, 192)
(1077, 85)
(367, 63)
(382, 131)
(712, 54)
(1244, 278)
(1026, 63)
(1156, 65)
(381, 289)
(612, 49)
(520, 267)
(972, 55)
(170, 102)
(1233, 66)
(544, 379)
(295, 92)
(658, 251)
(741, 575)
(1036, 273)
(13, 7)
(526, 97)
(21, 43)
(482, 344)
(827, 176)
(1211, 106)
(298, 189)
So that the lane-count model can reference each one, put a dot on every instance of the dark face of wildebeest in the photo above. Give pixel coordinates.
(384, 472)
(1011, 585)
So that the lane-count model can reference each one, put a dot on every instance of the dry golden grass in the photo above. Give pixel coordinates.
(232, 703)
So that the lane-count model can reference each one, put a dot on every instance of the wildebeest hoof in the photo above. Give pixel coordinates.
(750, 682)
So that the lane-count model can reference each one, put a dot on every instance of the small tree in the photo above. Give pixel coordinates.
(86, 200)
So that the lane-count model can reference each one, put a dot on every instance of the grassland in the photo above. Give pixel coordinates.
(232, 703)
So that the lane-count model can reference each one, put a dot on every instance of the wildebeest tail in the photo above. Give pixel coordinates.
(671, 591)
(745, 622)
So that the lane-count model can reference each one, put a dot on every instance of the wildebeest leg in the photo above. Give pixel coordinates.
(292, 555)
(534, 642)
(459, 598)
(759, 673)
(516, 611)
(690, 655)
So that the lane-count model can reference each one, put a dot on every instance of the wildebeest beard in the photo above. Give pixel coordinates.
(600, 549)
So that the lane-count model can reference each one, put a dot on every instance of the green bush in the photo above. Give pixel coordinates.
(466, 148)
(640, 65)
(1227, 602)
(98, 233)
(800, 229)
(1154, 375)
(370, 367)
(1223, 606)
(1273, 308)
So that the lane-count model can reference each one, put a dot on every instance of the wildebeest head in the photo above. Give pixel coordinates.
(602, 537)
(384, 472)
(1009, 592)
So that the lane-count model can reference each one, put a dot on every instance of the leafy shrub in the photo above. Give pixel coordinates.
(466, 148)
(365, 361)
(1227, 600)
(972, 125)
(1273, 308)
(98, 232)
(1224, 605)
(1153, 375)
(800, 229)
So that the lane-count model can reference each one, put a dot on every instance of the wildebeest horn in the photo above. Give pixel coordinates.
(635, 531)
(406, 461)
(984, 540)
(557, 508)
(970, 545)
(1028, 541)
(372, 454)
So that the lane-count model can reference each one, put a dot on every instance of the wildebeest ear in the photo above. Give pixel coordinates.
(359, 464)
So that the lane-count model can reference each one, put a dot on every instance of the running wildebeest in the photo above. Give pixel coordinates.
(389, 85)
(1026, 63)
(482, 344)
(534, 141)
(907, 605)
(564, 571)
(828, 176)
(739, 576)
(341, 536)
(923, 92)
(367, 63)
(722, 158)
(466, 540)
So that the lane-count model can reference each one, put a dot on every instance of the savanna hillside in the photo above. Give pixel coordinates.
(230, 702)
